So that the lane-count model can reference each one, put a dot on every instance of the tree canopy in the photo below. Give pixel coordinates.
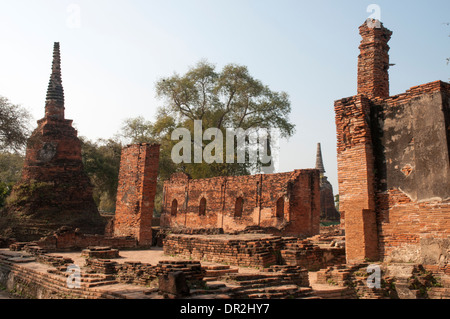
(231, 98)
(101, 160)
(226, 99)
(14, 126)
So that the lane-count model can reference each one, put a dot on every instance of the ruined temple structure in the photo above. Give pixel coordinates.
(285, 203)
(53, 190)
(393, 163)
(328, 211)
(136, 192)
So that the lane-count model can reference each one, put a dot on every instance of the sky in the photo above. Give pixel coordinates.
(114, 51)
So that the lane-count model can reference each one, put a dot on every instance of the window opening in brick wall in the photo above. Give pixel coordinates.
(239, 207)
(280, 208)
(202, 207)
(174, 208)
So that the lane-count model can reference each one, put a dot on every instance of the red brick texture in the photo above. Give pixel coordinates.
(393, 162)
(289, 202)
(405, 223)
(70, 240)
(373, 62)
(253, 250)
(54, 190)
(136, 192)
(356, 177)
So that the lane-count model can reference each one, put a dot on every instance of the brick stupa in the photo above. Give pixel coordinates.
(328, 211)
(54, 190)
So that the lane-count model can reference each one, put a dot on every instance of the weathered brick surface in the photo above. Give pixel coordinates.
(143, 274)
(136, 192)
(406, 225)
(253, 250)
(356, 177)
(247, 250)
(393, 163)
(53, 190)
(311, 257)
(373, 61)
(289, 202)
(70, 240)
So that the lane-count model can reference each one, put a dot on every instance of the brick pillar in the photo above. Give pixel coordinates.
(373, 61)
(356, 178)
(136, 192)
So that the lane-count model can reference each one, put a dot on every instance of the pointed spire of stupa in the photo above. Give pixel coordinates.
(319, 160)
(54, 104)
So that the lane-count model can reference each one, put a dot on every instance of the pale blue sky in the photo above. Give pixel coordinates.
(113, 55)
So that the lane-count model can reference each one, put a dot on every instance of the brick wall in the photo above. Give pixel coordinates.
(297, 195)
(356, 177)
(256, 251)
(393, 164)
(70, 240)
(136, 192)
(253, 250)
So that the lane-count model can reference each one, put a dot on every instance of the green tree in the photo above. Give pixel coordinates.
(10, 170)
(231, 98)
(137, 130)
(14, 126)
(101, 161)
(14, 131)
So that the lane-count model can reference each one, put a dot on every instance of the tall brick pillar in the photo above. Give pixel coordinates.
(356, 178)
(356, 175)
(373, 61)
(136, 192)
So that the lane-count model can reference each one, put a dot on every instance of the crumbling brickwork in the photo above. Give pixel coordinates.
(54, 190)
(289, 202)
(253, 250)
(373, 61)
(67, 239)
(393, 163)
(136, 192)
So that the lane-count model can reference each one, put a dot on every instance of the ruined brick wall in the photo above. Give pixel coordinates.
(287, 201)
(394, 167)
(412, 161)
(70, 240)
(253, 250)
(310, 256)
(245, 250)
(136, 192)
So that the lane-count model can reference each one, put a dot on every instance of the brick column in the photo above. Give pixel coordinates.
(356, 178)
(373, 61)
(136, 192)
